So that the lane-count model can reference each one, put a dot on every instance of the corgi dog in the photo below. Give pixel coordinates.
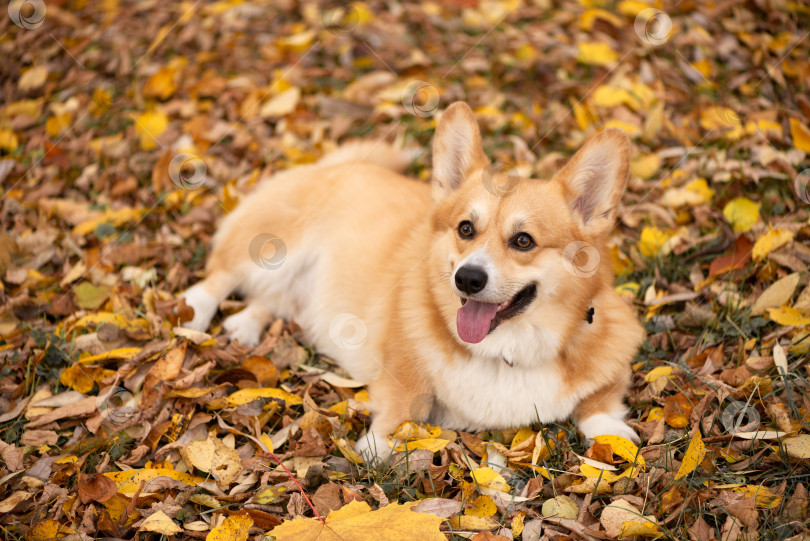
(478, 301)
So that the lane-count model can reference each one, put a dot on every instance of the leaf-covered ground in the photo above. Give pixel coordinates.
(128, 128)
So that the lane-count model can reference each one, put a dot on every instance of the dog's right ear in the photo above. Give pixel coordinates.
(457, 149)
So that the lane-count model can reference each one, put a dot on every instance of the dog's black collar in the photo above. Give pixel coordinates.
(589, 315)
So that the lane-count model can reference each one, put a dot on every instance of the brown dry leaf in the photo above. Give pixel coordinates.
(96, 488)
(168, 367)
(358, 522)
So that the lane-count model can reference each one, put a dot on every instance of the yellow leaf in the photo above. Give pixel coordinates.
(655, 414)
(582, 115)
(160, 523)
(632, 528)
(631, 8)
(652, 240)
(623, 448)
(700, 187)
(356, 521)
(590, 471)
(470, 522)
(482, 506)
(628, 288)
(347, 451)
(149, 126)
(233, 528)
(788, 317)
(8, 140)
(416, 431)
(610, 96)
(770, 241)
(432, 445)
(596, 53)
(800, 134)
(522, 435)
(765, 498)
(589, 16)
(657, 372)
(693, 457)
(128, 481)
(719, 117)
(79, 377)
(115, 217)
(58, 123)
(45, 530)
(249, 395)
(645, 165)
(489, 478)
(742, 213)
(162, 84)
(630, 129)
(118, 353)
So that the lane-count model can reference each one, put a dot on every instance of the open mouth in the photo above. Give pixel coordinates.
(476, 319)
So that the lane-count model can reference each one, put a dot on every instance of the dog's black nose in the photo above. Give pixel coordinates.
(471, 279)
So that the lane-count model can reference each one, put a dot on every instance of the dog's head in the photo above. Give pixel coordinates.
(515, 254)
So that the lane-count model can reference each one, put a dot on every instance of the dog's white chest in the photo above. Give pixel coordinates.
(479, 393)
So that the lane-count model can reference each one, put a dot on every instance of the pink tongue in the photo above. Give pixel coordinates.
(473, 319)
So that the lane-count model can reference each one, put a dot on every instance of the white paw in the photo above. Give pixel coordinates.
(204, 305)
(243, 327)
(373, 448)
(604, 424)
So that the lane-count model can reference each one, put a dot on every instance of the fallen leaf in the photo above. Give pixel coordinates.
(596, 53)
(249, 395)
(770, 241)
(800, 134)
(693, 457)
(789, 317)
(160, 523)
(777, 294)
(798, 447)
(233, 528)
(742, 213)
(356, 521)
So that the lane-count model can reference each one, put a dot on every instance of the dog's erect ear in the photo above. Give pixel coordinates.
(457, 149)
(595, 178)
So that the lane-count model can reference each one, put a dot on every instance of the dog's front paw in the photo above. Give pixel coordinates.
(373, 448)
(603, 424)
(243, 327)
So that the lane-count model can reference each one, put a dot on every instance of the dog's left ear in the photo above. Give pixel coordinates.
(595, 178)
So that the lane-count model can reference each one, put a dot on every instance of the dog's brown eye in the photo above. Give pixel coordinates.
(523, 241)
(466, 230)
